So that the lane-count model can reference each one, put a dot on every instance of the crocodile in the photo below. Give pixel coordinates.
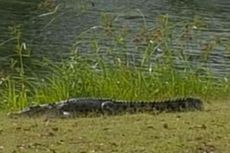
(106, 106)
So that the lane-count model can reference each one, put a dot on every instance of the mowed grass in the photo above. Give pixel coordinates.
(207, 131)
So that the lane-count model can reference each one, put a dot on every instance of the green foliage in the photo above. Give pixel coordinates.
(93, 74)
(15, 92)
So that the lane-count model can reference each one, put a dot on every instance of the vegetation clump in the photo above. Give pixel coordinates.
(157, 72)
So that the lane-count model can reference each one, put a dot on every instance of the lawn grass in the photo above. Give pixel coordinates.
(189, 132)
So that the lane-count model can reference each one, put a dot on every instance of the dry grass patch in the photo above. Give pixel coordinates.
(190, 132)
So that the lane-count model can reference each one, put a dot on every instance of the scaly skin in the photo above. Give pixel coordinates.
(87, 106)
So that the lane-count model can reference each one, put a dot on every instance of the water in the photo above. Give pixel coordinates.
(51, 27)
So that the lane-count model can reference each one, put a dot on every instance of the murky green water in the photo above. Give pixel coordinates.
(51, 28)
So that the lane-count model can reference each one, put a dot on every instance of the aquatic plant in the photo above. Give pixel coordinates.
(112, 71)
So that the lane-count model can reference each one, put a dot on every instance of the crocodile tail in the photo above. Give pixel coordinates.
(180, 104)
(194, 103)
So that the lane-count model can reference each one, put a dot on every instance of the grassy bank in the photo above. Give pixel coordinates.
(112, 71)
(97, 72)
(122, 82)
(191, 132)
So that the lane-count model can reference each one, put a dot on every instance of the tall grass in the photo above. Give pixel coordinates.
(15, 91)
(93, 75)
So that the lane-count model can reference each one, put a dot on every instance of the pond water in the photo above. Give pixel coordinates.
(50, 28)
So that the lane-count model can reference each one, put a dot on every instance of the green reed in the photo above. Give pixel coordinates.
(15, 92)
(94, 75)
